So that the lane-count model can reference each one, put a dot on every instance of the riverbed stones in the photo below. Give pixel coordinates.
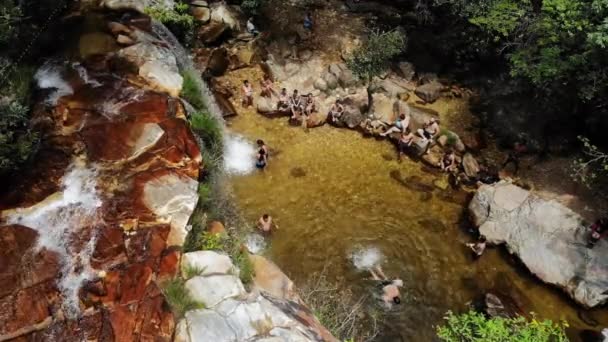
(549, 238)
(429, 92)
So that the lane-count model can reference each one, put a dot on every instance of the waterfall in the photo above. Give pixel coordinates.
(49, 76)
(239, 155)
(84, 75)
(60, 221)
(185, 64)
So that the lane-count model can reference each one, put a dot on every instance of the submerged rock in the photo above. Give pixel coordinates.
(297, 172)
(549, 238)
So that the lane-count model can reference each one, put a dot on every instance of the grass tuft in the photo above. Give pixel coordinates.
(179, 298)
(192, 92)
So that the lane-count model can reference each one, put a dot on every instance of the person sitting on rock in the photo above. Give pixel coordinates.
(247, 94)
(336, 110)
(430, 129)
(265, 225)
(448, 162)
(405, 142)
(390, 288)
(478, 247)
(295, 104)
(399, 126)
(267, 86)
(283, 104)
(308, 23)
(599, 230)
(310, 106)
(251, 27)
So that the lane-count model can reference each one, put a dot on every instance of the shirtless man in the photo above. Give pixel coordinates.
(336, 110)
(247, 94)
(390, 288)
(265, 224)
(267, 86)
(283, 104)
(430, 130)
(295, 103)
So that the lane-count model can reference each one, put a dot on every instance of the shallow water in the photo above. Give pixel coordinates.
(331, 192)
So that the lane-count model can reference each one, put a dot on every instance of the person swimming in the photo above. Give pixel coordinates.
(262, 156)
(390, 288)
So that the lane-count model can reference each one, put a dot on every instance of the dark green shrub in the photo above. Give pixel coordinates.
(192, 92)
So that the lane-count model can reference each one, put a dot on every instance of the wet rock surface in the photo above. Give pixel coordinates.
(85, 254)
(549, 238)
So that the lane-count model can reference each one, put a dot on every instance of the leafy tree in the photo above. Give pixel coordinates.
(372, 58)
(177, 19)
(476, 327)
(591, 168)
(10, 15)
(17, 141)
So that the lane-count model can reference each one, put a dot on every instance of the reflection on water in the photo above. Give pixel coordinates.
(332, 194)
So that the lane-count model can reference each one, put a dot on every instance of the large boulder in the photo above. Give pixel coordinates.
(200, 11)
(406, 70)
(211, 32)
(223, 13)
(429, 92)
(549, 238)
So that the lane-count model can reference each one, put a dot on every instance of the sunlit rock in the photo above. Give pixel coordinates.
(549, 238)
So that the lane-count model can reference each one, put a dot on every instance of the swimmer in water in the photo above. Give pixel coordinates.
(390, 288)
(265, 224)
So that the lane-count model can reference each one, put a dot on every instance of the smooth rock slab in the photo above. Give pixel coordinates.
(172, 197)
(151, 133)
(211, 290)
(548, 237)
(162, 77)
(208, 262)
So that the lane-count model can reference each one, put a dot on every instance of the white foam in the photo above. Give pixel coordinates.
(59, 220)
(255, 243)
(239, 155)
(366, 258)
(84, 75)
(49, 77)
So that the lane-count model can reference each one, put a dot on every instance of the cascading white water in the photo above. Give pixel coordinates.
(84, 75)
(255, 243)
(239, 155)
(59, 221)
(49, 77)
(366, 258)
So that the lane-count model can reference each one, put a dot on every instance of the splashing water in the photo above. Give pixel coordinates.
(59, 221)
(49, 77)
(239, 155)
(366, 258)
(255, 243)
(84, 75)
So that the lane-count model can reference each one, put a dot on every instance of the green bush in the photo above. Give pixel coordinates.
(191, 91)
(476, 327)
(251, 6)
(17, 141)
(179, 298)
(178, 20)
(208, 129)
(243, 262)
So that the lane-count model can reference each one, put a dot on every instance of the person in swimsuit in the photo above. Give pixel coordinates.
(390, 288)
(405, 141)
(295, 104)
(400, 126)
(247, 94)
(265, 225)
(262, 156)
(478, 247)
(430, 130)
(336, 111)
(283, 104)
(448, 162)
(599, 230)
(267, 87)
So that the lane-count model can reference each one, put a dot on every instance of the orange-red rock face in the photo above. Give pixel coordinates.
(146, 163)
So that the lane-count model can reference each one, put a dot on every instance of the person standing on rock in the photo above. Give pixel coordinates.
(390, 288)
(400, 126)
(247, 94)
(251, 27)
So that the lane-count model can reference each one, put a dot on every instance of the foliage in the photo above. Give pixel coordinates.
(10, 15)
(551, 43)
(245, 266)
(179, 298)
(347, 317)
(191, 271)
(452, 137)
(476, 327)
(192, 92)
(372, 58)
(177, 19)
(17, 141)
(251, 6)
(208, 128)
(592, 168)
(204, 194)
(210, 241)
